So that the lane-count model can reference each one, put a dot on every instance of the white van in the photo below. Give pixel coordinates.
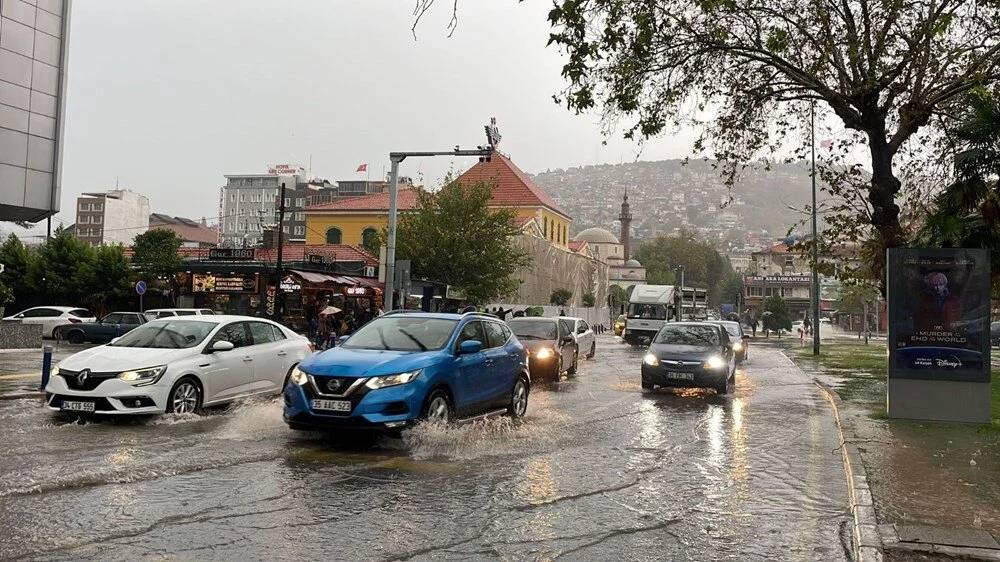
(652, 306)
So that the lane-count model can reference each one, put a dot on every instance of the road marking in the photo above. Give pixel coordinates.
(22, 376)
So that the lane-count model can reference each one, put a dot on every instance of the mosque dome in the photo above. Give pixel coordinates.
(597, 236)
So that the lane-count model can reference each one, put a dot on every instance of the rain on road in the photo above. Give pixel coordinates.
(597, 470)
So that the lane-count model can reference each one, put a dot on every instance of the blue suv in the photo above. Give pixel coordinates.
(406, 366)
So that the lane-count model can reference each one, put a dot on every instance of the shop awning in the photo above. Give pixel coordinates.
(349, 280)
(312, 277)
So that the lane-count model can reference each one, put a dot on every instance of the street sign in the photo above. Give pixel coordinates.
(236, 254)
(140, 288)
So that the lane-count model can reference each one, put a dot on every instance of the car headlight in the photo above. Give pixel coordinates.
(376, 383)
(738, 346)
(54, 371)
(298, 377)
(715, 362)
(544, 353)
(651, 360)
(142, 377)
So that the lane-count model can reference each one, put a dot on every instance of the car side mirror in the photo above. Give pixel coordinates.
(113, 340)
(221, 345)
(342, 339)
(470, 346)
(568, 339)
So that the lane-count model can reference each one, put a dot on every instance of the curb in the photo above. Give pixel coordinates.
(866, 538)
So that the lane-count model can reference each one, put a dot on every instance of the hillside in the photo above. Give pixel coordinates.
(668, 195)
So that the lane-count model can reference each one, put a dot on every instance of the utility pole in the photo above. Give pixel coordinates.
(492, 139)
(680, 309)
(279, 295)
(815, 234)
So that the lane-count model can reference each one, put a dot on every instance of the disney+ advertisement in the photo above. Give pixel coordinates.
(939, 314)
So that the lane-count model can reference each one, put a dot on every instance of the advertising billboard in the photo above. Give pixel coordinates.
(939, 314)
(208, 283)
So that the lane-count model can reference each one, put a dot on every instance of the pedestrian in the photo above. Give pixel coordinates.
(519, 314)
(562, 312)
(807, 325)
(753, 326)
(466, 310)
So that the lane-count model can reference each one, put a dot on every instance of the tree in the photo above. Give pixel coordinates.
(155, 253)
(703, 266)
(776, 316)
(561, 297)
(967, 212)
(886, 70)
(617, 298)
(454, 237)
(114, 289)
(63, 269)
(17, 259)
(588, 299)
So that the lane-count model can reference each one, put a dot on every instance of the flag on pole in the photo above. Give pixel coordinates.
(362, 168)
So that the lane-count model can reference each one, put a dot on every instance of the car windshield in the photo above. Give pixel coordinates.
(688, 335)
(397, 333)
(534, 329)
(166, 334)
(648, 311)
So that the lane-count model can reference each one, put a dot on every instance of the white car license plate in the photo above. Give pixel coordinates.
(680, 375)
(332, 405)
(74, 406)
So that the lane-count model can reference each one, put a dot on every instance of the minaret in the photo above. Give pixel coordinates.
(626, 219)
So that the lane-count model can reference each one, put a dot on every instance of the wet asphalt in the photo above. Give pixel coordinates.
(597, 471)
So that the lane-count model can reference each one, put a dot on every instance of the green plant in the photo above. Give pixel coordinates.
(588, 299)
(560, 297)
(534, 311)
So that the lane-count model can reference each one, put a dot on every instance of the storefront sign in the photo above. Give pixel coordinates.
(269, 300)
(236, 254)
(314, 258)
(289, 285)
(939, 314)
(208, 283)
(357, 290)
(780, 279)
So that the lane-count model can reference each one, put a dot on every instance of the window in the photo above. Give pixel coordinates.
(300, 201)
(755, 291)
(284, 229)
(278, 334)
(582, 327)
(369, 237)
(261, 333)
(495, 334)
(235, 333)
(40, 313)
(472, 331)
(789, 261)
(97, 219)
(98, 207)
(300, 217)
(566, 326)
(113, 318)
(545, 227)
(186, 313)
(84, 206)
(81, 313)
(333, 235)
(288, 202)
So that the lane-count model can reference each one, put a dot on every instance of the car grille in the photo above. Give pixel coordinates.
(93, 379)
(345, 382)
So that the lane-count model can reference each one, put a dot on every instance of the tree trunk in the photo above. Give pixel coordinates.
(882, 194)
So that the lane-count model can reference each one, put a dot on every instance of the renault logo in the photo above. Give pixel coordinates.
(81, 377)
(333, 385)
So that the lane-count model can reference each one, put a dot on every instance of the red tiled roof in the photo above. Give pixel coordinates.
(513, 188)
(577, 245)
(188, 230)
(407, 200)
(293, 252)
(521, 221)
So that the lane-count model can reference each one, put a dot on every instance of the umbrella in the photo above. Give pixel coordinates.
(329, 310)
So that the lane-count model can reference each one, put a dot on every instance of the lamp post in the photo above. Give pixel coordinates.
(680, 309)
(815, 235)
(492, 137)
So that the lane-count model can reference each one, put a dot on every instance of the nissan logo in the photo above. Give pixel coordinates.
(333, 385)
(81, 377)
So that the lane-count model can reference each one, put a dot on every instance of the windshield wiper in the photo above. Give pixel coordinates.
(415, 340)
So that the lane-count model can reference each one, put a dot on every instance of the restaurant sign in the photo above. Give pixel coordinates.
(289, 285)
(208, 283)
(236, 254)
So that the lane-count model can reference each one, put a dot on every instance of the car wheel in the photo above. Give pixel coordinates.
(723, 388)
(185, 397)
(438, 407)
(76, 336)
(593, 350)
(518, 399)
(573, 367)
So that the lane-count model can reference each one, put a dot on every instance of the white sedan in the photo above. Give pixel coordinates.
(51, 317)
(178, 365)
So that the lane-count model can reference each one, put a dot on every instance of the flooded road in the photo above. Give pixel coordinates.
(597, 470)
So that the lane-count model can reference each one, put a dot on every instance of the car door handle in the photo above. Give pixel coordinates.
(248, 359)
(282, 353)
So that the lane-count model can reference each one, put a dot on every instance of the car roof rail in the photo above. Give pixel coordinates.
(401, 311)
(477, 313)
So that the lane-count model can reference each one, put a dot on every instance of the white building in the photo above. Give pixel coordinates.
(113, 217)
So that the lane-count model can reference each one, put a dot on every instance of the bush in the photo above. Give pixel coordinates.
(534, 311)
(588, 299)
(561, 297)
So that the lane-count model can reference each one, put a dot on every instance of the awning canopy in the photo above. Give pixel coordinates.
(349, 280)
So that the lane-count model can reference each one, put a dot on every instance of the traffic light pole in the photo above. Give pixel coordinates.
(390, 246)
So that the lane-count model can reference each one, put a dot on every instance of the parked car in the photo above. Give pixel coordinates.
(401, 368)
(50, 317)
(154, 313)
(741, 345)
(178, 365)
(552, 348)
(619, 326)
(995, 333)
(690, 354)
(104, 330)
(582, 332)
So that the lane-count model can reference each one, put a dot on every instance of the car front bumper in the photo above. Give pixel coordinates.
(383, 409)
(544, 368)
(701, 377)
(111, 397)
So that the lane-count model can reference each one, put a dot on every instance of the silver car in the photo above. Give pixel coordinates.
(586, 340)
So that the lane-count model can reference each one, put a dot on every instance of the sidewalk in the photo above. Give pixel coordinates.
(935, 486)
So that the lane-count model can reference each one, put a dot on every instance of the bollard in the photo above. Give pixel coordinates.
(46, 365)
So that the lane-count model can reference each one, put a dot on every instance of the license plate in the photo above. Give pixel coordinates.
(680, 375)
(332, 405)
(73, 406)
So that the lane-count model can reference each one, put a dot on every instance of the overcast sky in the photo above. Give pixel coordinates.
(166, 97)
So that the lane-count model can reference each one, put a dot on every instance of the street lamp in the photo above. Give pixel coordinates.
(492, 139)
(680, 309)
(815, 235)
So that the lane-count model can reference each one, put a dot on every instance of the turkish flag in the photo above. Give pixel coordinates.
(363, 168)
